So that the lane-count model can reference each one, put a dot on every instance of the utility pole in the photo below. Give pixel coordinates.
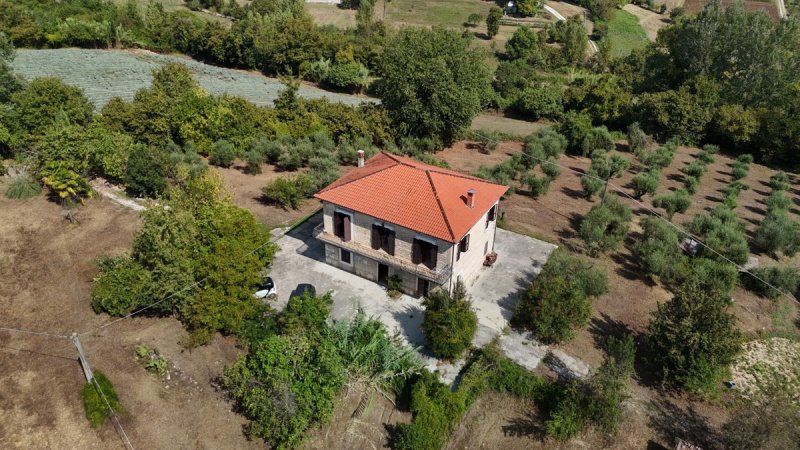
(87, 370)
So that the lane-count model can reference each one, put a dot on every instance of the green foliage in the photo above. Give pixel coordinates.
(122, 286)
(589, 276)
(604, 167)
(786, 280)
(94, 402)
(597, 138)
(645, 182)
(557, 302)
(778, 233)
(445, 66)
(65, 183)
(658, 251)
(705, 157)
(305, 314)
(288, 191)
(693, 339)
(254, 159)
(660, 158)
(738, 172)
(778, 201)
(572, 35)
(722, 231)
(691, 184)
(575, 126)
(715, 276)
(37, 105)
(605, 226)
(474, 19)
(779, 181)
(22, 186)
(525, 44)
(488, 140)
(296, 379)
(450, 323)
(768, 423)
(544, 102)
(347, 75)
(638, 140)
(598, 400)
(678, 201)
(147, 172)
(493, 21)
(537, 185)
(694, 169)
(152, 361)
(222, 154)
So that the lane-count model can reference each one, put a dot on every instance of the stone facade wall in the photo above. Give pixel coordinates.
(481, 242)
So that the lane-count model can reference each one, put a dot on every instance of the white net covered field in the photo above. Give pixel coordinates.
(103, 74)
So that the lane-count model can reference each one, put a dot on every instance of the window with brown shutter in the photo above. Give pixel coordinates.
(490, 216)
(341, 226)
(390, 242)
(416, 251)
(376, 237)
(383, 238)
(463, 246)
(433, 253)
(346, 236)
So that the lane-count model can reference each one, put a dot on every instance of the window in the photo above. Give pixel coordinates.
(486, 248)
(424, 252)
(463, 247)
(491, 215)
(341, 226)
(383, 238)
(345, 256)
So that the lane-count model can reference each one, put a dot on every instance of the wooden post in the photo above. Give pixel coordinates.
(87, 370)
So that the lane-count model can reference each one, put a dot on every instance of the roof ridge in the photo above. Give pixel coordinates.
(439, 170)
(441, 208)
(330, 187)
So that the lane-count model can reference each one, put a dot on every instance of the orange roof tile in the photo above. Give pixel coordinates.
(420, 197)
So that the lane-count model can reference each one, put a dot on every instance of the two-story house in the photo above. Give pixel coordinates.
(394, 216)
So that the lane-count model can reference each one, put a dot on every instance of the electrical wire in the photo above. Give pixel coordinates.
(36, 333)
(122, 432)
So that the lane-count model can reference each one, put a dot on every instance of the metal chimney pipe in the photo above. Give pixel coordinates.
(360, 158)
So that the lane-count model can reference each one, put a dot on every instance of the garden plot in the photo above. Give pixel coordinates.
(104, 74)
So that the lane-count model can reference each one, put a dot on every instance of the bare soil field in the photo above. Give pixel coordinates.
(503, 124)
(46, 268)
(330, 14)
(651, 21)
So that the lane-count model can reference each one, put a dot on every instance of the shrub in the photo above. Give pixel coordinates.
(738, 173)
(347, 75)
(605, 226)
(693, 339)
(658, 250)
(540, 102)
(575, 126)
(735, 188)
(552, 307)
(637, 139)
(474, 19)
(589, 276)
(705, 157)
(658, 159)
(778, 201)
(712, 275)
(694, 169)
(271, 150)
(122, 286)
(779, 182)
(604, 167)
(147, 172)
(723, 232)
(22, 185)
(777, 232)
(597, 138)
(254, 159)
(537, 185)
(645, 183)
(450, 323)
(222, 154)
(488, 140)
(94, 403)
(152, 361)
(711, 149)
(784, 279)
(551, 169)
(678, 201)
(745, 159)
(288, 192)
(691, 184)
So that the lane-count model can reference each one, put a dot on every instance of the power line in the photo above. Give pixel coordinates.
(121, 430)
(656, 214)
(36, 333)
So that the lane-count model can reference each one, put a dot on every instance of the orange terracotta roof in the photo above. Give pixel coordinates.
(417, 196)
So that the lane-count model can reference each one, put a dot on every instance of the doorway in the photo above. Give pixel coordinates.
(423, 286)
(383, 273)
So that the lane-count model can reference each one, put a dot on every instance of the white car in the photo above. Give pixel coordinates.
(267, 288)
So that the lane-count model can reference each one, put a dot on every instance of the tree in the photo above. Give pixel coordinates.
(604, 168)
(693, 339)
(572, 34)
(525, 44)
(645, 183)
(575, 126)
(540, 102)
(448, 85)
(553, 307)
(493, 21)
(678, 201)
(9, 82)
(637, 138)
(147, 171)
(605, 226)
(658, 251)
(36, 106)
(450, 323)
(222, 154)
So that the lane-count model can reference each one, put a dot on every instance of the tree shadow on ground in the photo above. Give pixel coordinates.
(528, 426)
(672, 422)
(676, 177)
(711, 198)
(573, 193)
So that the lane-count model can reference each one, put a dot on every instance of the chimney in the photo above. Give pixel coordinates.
(361, 158)
(471, 198)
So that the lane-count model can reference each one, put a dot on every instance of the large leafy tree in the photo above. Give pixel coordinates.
(9, 83)
(433, 82)
(450, 323)
(693, 338)
(44, 99)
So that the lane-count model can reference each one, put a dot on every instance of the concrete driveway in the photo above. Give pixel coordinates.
(494, 294)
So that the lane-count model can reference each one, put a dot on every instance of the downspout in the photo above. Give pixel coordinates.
(496, 218)
(452, 269)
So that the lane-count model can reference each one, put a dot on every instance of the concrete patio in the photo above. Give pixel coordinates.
(494, 294)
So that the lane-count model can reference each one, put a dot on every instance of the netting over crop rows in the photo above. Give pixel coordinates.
(103, 74)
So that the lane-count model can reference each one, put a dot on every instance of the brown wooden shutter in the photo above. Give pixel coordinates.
(390, 242)
(466, 243)
(416, 252)
(376, 237)
(433, 252)
(346, 235)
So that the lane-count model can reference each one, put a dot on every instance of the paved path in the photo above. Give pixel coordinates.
(494, 295)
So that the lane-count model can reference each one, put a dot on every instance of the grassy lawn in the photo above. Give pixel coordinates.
(626, 34)
(450, 13)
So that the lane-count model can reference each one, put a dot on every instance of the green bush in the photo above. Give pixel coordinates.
(450, 323)
(23, 186)
(738, 173)
(693, 339)
(645, 182)
(488, 140)
(746, 159)
(735, 188)
(597, 138)
(540, 102)
(122, 286)
(777, 232)
(711, 149)
(347, 75)
(222, 154)
(779, 182)
(778, 201)
(590, 277)
(575, 126)
(784, 279)
(537, 185)
(147, 172)
(553, 307)
(94, 403)
(605, 226)
(605, 166)
(637, 139)
(722, 231)
(152, 361)
(551, 169)
(691, 184)
(705, 158)
(659, 158)
(254, 159)
(694, 169)
(678, 201)
(288, 192)
(658, 252)
(712, 275)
